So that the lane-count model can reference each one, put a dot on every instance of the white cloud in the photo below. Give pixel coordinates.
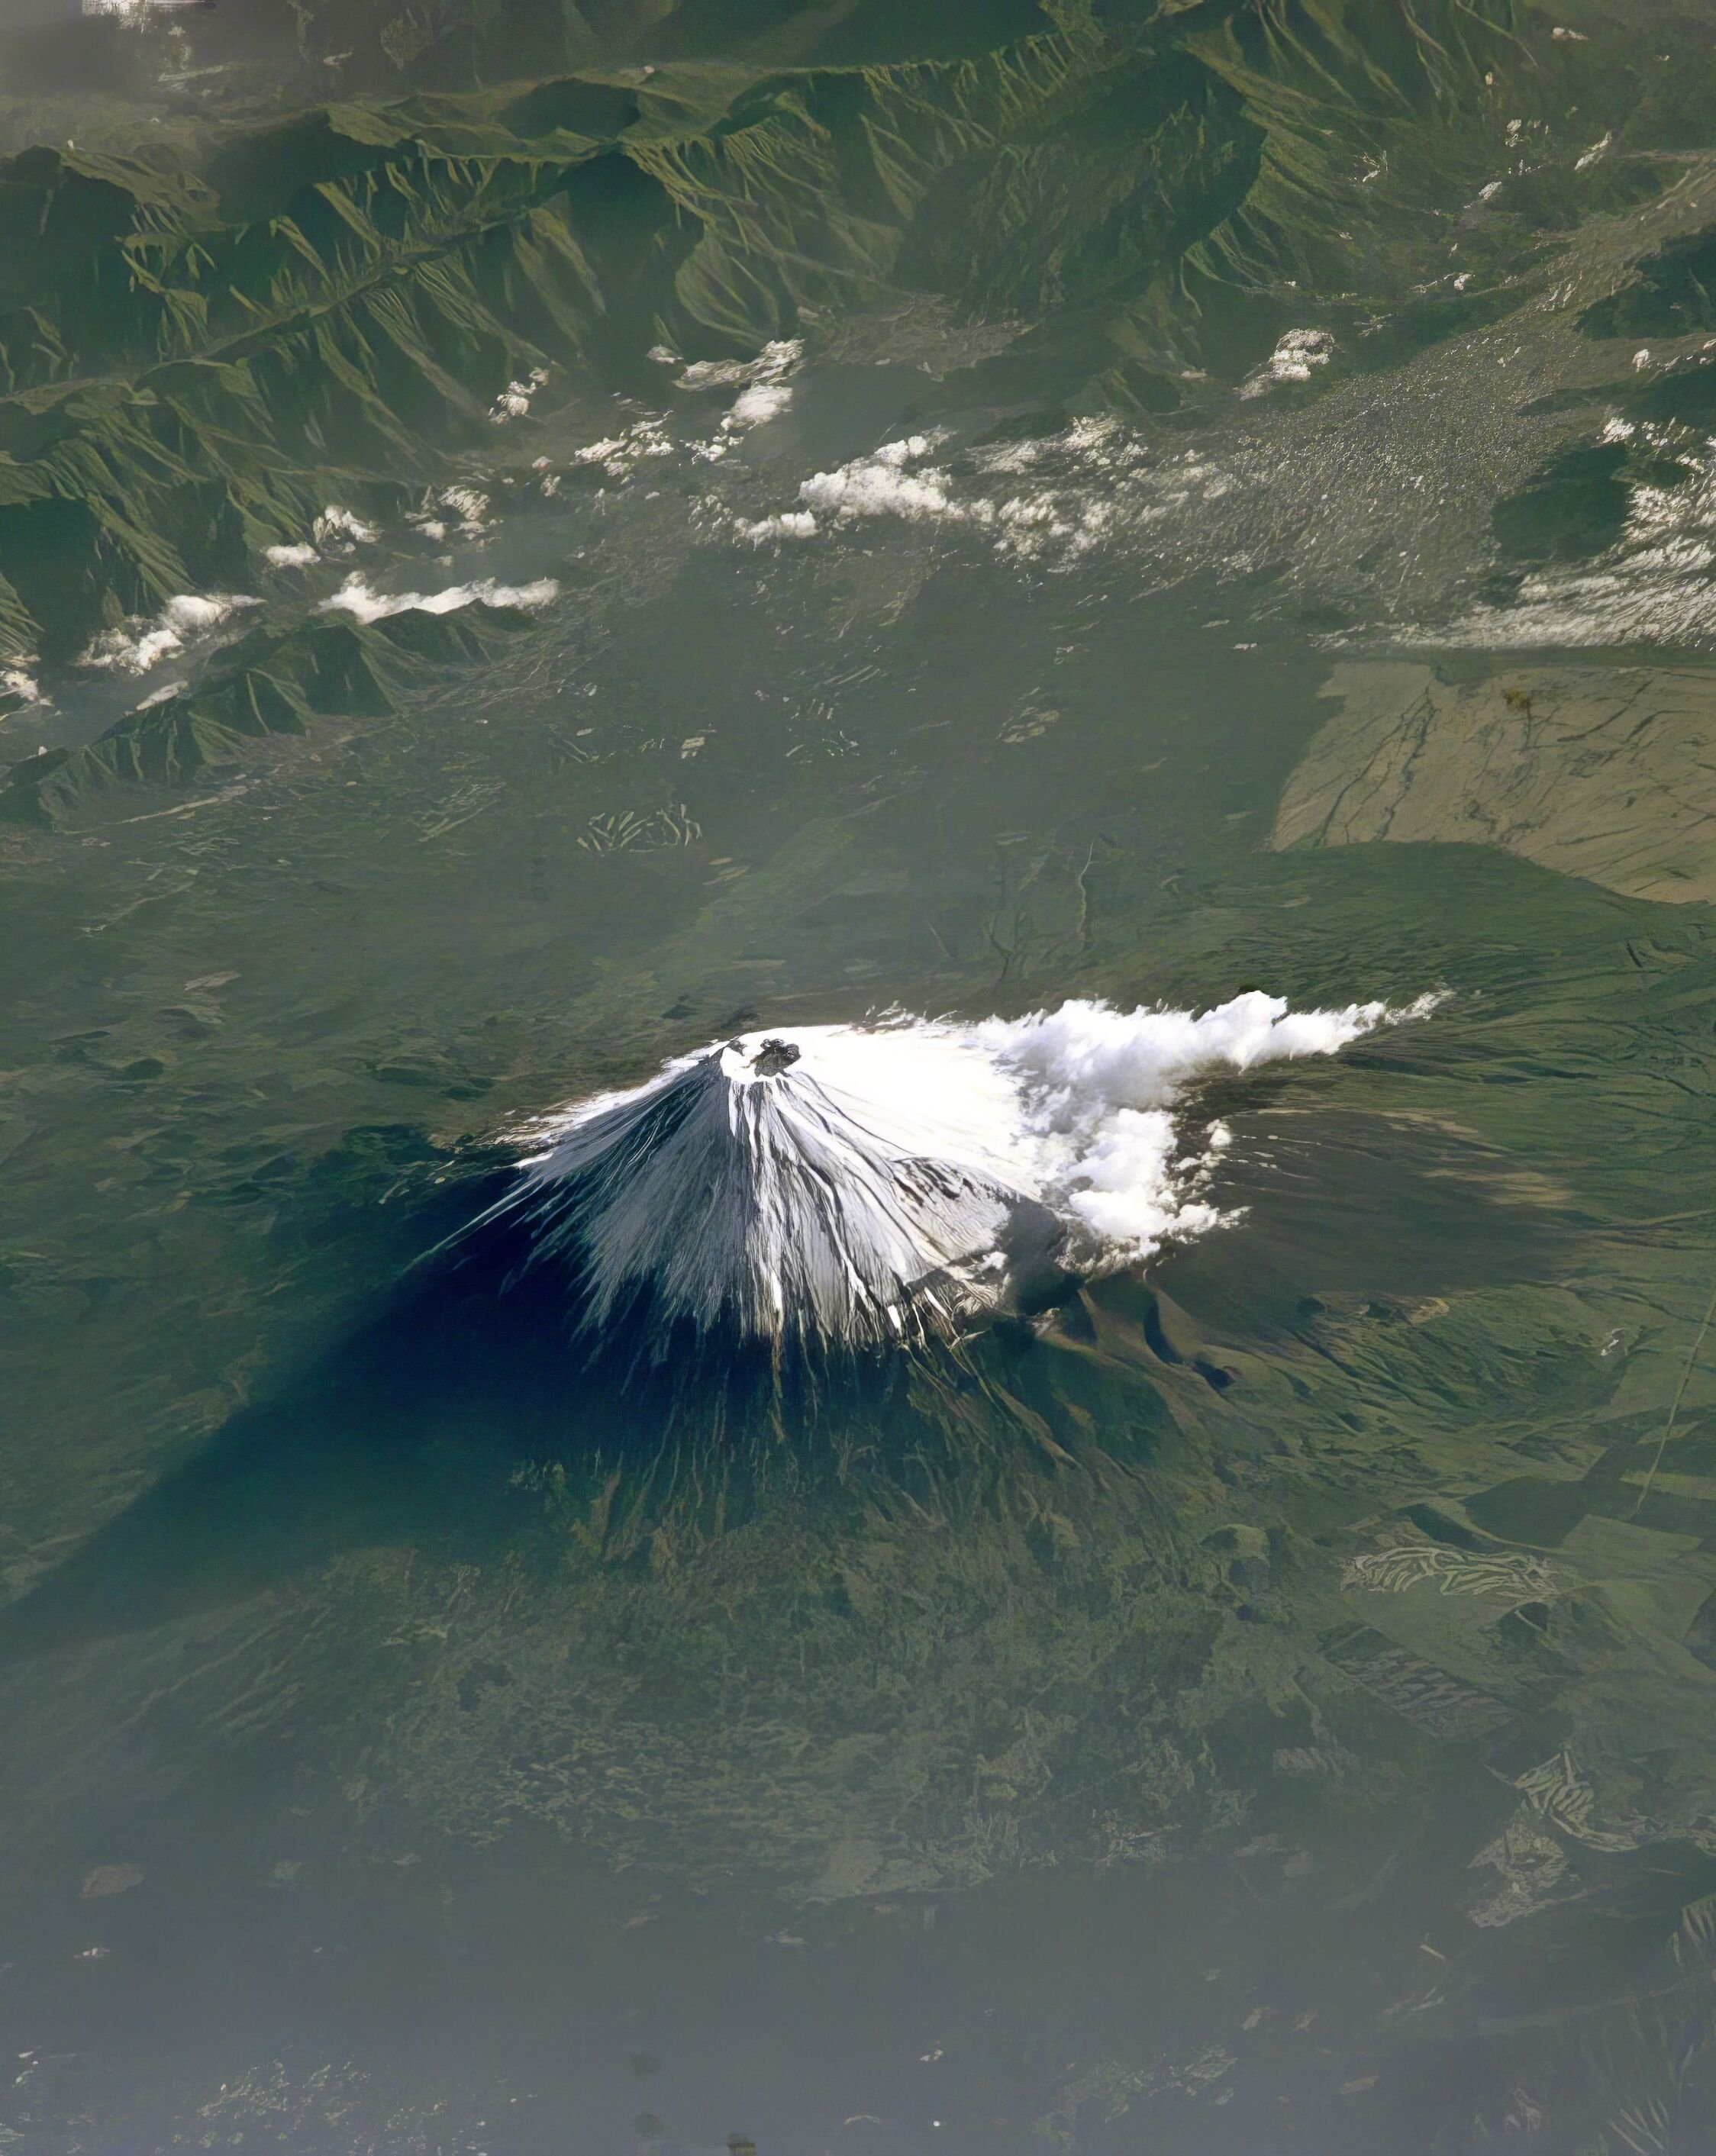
(354, 597)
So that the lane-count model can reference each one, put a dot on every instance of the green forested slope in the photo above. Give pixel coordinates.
(202, 336)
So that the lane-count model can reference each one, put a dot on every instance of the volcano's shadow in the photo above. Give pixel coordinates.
(405, 1433)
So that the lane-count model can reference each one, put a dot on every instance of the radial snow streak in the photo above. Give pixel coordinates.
(852, 1184)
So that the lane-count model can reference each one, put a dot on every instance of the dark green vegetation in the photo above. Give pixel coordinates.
(201, 337)
(1669, 296)
(1269, 1708)
(270, 682)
